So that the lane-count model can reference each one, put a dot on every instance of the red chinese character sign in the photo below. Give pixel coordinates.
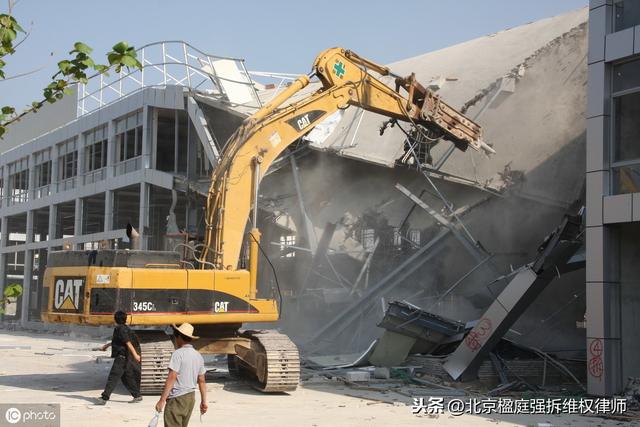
(475, 338)
(596, 366)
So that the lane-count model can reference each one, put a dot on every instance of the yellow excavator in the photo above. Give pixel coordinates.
(212, 291)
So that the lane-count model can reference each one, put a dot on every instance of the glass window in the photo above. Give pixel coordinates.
(18, 180)
(625, 150)
(626, 179)
(626, 76)
(131, 143)
(139, 141)
(166, 140)
(67, 166)
(627, 127)
(121, 125)
(67, 160)
(18, 186)
(43, 174)
(129, 137)
(122, 152)
(95, 153)
(42, 156)
(626, 14)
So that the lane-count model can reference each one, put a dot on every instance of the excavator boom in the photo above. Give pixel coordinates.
(347, 80)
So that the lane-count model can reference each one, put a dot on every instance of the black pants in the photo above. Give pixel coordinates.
(126, 369)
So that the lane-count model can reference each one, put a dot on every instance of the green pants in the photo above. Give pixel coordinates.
(178, 410)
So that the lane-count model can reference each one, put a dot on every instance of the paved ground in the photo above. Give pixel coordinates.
(57, 369)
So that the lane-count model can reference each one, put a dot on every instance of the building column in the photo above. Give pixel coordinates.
(81, 169)
(192, 150)
(77, 221)
(26, 287)
(3, 256)
(27, 272)
(111, 148)
(31, 184)
(53, 212)
(108, 210)
(111, 158)
(603, 306)
(143, 220)
(154, 138)
(53, 187)
(604, 346)
(27, 280)
(5, 183)
(147, 137)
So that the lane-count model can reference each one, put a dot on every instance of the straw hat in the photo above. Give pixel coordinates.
(185, 329)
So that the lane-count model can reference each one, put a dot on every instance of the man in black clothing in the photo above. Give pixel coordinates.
(126, 361)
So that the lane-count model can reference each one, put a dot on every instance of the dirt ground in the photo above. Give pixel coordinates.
(49, 368)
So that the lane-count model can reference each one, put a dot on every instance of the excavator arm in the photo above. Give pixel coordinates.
(346, 80)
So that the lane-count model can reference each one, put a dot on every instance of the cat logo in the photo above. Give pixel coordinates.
(67, 294)
(220, 306)
(304, 120)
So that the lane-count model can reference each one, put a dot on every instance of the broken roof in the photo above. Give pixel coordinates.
(478, 76)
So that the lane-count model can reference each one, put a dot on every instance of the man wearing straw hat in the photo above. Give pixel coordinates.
(186, 369)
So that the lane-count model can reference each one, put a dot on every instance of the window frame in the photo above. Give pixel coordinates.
(126, 125)
(616, 165)
(614, 28)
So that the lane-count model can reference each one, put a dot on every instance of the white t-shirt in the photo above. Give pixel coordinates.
(188, 363)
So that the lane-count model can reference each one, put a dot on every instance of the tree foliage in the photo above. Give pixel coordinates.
(71, 70)
(11, 291)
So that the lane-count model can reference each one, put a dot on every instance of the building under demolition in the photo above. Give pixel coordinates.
(139, 152)
(355, 215)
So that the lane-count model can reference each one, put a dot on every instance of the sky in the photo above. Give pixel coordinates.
(277, 36)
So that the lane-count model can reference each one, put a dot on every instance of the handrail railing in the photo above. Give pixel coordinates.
(173, 62)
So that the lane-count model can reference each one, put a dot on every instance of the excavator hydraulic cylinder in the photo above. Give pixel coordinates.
(253, 261)
(295, 86)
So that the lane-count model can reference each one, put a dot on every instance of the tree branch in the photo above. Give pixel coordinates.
(26, 73)
(26, 36)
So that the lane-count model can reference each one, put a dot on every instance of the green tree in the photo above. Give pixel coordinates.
(12, 290)
(71, 70)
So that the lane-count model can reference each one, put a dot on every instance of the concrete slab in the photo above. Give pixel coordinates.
(392, 349)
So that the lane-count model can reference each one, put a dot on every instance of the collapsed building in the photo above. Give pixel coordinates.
(357, 214)
(359, 221)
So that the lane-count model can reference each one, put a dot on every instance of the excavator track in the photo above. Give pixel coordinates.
(277, 362)
(276, 359)
(155, 348)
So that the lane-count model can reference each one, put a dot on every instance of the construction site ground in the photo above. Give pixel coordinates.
(55, 368)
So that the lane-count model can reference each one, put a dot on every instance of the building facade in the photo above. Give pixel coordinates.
(613, 195)
(142, 157)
